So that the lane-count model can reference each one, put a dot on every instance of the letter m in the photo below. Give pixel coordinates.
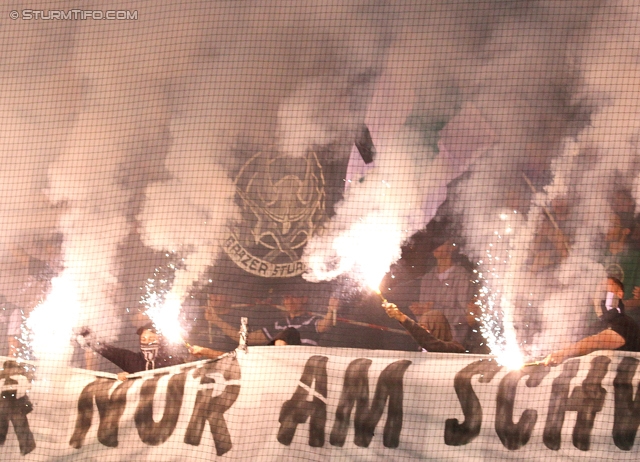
(355, 392)
(307, 404)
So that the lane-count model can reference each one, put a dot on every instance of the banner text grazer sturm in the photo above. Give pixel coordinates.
(333, 403)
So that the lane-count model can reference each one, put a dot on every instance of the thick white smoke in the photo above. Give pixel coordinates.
(188, 214)
(602, 163)
(38, 102)
(109, 153)
(496, 202)
(110, 125)
(594, 158)
(401, 194)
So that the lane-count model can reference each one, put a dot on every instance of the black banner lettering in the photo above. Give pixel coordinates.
(156, 433)
(558, 404)
(210, 407)
(626, 418)
(514, 436)
(15, 405)
(459, 434)
(298, 409)
(110, 409)
(587, 400)
(355, 391)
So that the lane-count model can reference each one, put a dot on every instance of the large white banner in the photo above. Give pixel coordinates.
(305, 403)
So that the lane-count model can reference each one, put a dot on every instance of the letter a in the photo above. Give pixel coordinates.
(298, 409)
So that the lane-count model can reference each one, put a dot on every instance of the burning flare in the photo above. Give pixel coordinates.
(163, 306)
(51, 322)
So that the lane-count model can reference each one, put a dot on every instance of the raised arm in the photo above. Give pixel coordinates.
(423, 337)
(605, 340)
(327, 322)
(203, 352)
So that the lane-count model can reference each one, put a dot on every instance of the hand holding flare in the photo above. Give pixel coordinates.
(393, 312)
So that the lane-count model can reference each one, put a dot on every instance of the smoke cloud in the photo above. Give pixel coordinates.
(119, 129)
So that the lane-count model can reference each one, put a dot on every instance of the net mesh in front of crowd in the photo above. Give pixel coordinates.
(358, 230)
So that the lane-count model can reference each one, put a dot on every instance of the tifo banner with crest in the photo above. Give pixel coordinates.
(282, 208)
(301, 403)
